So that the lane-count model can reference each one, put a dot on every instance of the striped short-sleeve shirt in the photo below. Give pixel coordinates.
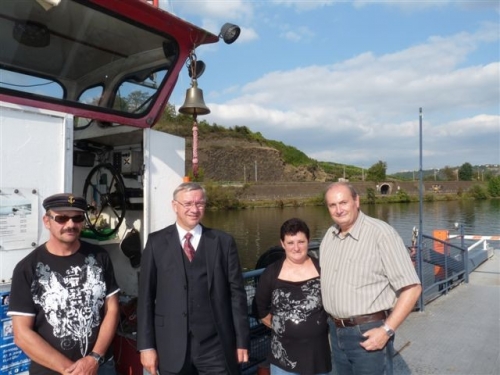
(361, 271)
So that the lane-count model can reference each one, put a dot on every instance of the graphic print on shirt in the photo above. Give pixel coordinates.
(71, 302)
(294, 310)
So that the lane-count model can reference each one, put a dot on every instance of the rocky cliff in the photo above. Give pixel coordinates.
(232, 159)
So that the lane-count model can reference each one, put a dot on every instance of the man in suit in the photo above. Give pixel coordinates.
(192, 307)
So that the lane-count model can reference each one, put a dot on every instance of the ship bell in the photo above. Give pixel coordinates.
(194, 104)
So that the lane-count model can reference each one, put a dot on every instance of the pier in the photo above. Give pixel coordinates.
(457, 333)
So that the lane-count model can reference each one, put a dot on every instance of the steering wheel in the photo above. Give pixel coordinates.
(104, 190)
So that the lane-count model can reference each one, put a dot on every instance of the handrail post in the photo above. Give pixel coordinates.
(420, 215)
(447, 254)
(466, 255)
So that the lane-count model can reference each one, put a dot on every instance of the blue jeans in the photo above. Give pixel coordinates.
(107, 368)
(275, 370)
(350, 358)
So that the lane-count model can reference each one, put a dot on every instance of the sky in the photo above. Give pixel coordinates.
(344, 81)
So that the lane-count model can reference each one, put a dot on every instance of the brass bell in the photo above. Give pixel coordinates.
(194, 104)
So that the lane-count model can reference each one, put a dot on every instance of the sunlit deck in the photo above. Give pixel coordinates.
(458, 333)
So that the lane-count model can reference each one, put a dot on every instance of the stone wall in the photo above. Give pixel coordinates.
(291, 190)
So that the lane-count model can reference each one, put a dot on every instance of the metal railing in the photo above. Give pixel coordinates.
(260, 335)
(443, 266)
(447, 263)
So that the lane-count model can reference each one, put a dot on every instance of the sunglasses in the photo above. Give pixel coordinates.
(62, 219)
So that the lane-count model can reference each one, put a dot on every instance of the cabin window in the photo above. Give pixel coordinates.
(136, 93)
(29, 84)
(91, 96)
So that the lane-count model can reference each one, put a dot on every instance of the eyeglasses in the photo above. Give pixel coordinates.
(62, 219)
(189, 205)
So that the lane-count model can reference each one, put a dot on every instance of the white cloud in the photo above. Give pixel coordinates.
(407, 5)
(231, 11)
(305, 5)
(298, 34)
(365, 109)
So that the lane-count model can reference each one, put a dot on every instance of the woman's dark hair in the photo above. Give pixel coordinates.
(292, 227)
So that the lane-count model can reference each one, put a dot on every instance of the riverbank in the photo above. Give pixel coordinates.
(296, 194)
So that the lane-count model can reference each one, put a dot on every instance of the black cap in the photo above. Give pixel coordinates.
(65, 202)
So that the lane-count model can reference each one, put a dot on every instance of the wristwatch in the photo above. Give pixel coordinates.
(388, 330)
(97, 357)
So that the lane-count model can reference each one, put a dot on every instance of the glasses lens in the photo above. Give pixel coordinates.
(61, 219)
(189, 205)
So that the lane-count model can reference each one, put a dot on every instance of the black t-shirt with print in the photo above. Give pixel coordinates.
(65, 295)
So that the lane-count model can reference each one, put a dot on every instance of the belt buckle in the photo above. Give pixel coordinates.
(343, 323)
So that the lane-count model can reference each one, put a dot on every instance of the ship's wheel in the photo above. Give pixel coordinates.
(104, 190)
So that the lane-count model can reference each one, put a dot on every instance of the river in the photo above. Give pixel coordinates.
(257, 229)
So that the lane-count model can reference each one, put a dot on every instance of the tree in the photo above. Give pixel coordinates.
(449, 173)
(465, 172)
(169, 113)
(136, 99)
(494, 186)
(371, 195)
(478, 192)
(377, 172)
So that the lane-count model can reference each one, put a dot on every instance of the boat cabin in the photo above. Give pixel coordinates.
(82, 83)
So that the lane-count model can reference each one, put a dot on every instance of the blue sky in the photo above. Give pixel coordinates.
(343, 81)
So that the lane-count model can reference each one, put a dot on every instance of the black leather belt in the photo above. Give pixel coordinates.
(361, 319)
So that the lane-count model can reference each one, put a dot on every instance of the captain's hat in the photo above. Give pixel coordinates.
(65, 202)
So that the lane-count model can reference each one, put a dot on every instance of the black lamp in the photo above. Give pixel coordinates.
(229, 33)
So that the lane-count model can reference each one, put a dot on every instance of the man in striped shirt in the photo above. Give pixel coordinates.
(369, 285)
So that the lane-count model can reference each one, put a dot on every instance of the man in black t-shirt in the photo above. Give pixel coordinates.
(64, 297)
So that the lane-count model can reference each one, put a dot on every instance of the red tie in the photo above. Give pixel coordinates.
(188, 247)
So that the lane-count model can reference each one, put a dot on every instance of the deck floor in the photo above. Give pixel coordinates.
(458, 333)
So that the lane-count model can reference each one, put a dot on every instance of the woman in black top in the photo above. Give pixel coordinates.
(288, 300)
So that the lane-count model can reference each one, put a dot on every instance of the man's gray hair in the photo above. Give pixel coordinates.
(353, 191)
(190, 186)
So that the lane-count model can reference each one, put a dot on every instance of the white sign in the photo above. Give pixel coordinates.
(18, 218)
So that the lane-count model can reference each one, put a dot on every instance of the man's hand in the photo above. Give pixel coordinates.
(376, 339)
(149, 360)
(84, 366)
(267, 320)
(242, 355)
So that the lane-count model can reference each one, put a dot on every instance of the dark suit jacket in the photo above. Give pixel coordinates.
(163, 306)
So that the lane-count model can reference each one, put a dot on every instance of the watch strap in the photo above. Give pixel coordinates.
(388, 330)
(98, 358)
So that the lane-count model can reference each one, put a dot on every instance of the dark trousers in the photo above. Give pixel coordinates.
(203, 358)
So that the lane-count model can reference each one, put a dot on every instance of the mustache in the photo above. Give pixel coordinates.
(70, 230)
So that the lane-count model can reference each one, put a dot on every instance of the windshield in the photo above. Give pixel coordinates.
(80, 55)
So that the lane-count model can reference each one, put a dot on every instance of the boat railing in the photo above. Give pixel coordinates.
(480, 240)
(259, 334)
(444, 265)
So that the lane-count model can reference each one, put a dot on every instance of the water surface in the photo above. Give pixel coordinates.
(256, 230)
